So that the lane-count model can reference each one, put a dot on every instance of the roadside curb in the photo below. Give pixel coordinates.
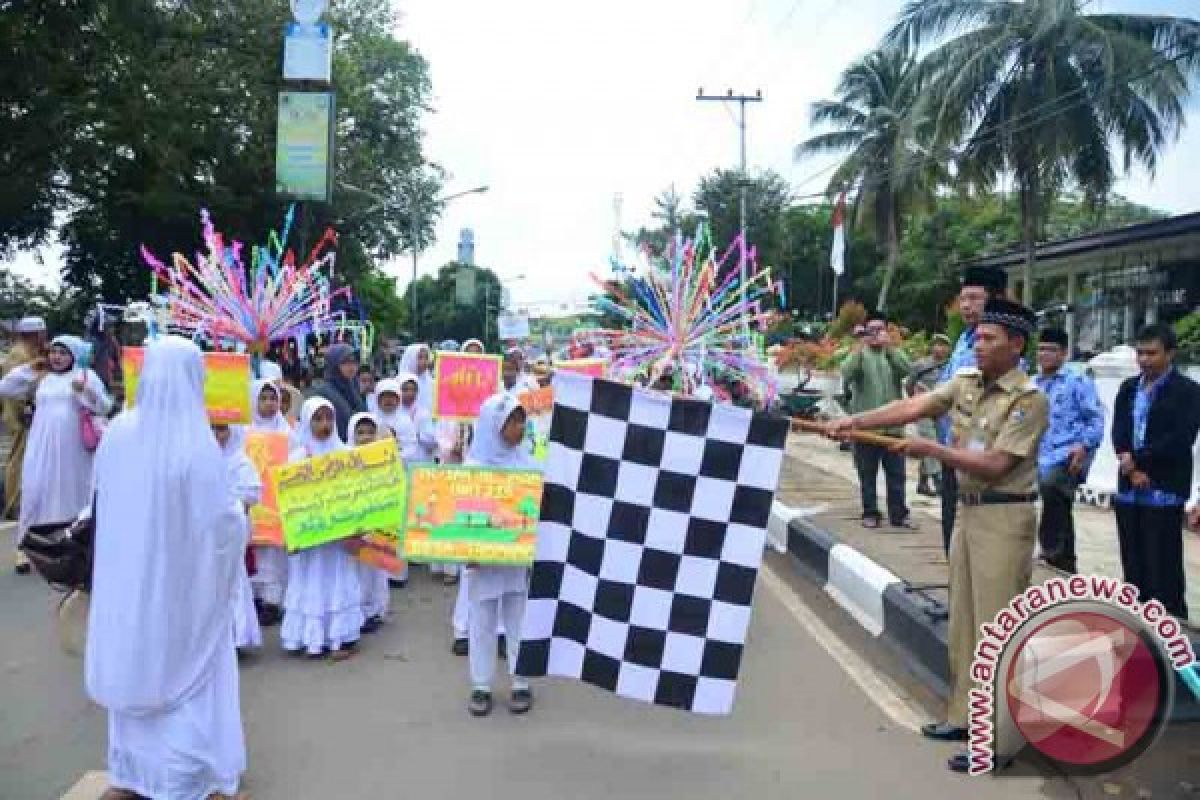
(910, 623)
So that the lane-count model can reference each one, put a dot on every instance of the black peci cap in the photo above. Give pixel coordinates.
(1013, 316)
(990, 278)
(1056, 336)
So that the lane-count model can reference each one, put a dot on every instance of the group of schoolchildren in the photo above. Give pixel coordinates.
(323, 597)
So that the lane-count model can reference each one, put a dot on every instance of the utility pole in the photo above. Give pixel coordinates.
(741, 100)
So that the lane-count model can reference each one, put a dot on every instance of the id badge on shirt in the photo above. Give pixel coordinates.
(977, 443)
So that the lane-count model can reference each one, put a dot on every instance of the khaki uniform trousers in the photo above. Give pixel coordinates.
(991, 562)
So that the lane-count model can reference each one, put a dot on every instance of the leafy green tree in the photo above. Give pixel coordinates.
(767, 196)
(441, 317)
(1045, 92)
(875, 119)
(127, 117)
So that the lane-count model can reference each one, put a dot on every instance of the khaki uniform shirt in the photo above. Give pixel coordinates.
(1009, 415)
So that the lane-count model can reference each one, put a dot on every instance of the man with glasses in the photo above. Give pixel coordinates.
(979, 284)
(875, 374)
(1072, 439)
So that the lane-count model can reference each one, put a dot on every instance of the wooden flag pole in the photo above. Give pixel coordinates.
(866, 437)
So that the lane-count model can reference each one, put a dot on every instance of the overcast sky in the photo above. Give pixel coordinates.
(560, 107)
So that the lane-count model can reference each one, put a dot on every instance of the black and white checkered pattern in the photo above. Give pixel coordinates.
(653, 523)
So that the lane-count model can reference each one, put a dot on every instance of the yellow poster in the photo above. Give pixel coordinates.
(341, 494)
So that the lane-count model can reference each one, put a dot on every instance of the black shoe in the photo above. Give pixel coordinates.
(501, 646)
(269, 615)
(480, 704)
(944, 732)
(459, 648)
(520, 701)
(397, 584)
(961, 762)
(23, 569)
(372, 624)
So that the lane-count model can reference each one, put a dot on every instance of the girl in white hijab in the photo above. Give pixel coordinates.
(418, 360)
(497, 592)
(169, 543)
(57, 469)
(376, 596)
(322, 609)
(271, 562)
(246, 488)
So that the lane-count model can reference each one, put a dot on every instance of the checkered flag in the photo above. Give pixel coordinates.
(653, 523)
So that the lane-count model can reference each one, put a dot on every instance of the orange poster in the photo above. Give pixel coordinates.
(537, 401)
(266, 450)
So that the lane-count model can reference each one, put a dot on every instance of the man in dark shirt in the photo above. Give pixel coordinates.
(1155, 420)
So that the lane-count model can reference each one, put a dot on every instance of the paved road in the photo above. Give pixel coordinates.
(392, 722)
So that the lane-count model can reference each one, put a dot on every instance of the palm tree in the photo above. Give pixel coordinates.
(874, 120)
(1043, 92)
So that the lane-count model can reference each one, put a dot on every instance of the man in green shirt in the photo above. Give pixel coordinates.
(875, 374)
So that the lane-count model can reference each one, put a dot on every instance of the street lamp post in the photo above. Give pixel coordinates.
(414, 230)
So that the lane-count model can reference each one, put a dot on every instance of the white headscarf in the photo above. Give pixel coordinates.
(169, 542)
(277, 423)
(488, 448)
(308, 444)
(244, 480)
(408, 364)
(388, 385)
(470, 342)
(354, 420)
(408, 361)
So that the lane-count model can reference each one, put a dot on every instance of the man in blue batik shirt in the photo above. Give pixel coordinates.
(979, 284)
(1075, 433)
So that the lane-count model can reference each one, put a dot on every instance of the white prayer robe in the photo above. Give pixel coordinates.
(169, 544)
(495, 594)
(322, 609)
(57, 470)
(246, 488)
(376, 593)
(272, 562)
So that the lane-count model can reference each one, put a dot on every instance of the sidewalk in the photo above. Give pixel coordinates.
(816, 474)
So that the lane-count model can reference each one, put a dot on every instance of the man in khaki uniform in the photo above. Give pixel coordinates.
(998, 417)
(31, 345)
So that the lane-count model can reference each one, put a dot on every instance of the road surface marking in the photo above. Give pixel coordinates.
(878, 687)
(89, 787)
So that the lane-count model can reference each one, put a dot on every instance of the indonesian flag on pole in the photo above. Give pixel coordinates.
(837, 256)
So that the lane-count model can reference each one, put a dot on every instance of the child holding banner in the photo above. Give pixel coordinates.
(497, 592)
(247, 490)
(322, 609)
(266, 402)
(376, 595)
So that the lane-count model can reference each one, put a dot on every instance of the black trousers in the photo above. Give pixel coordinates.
(1056, 529)
(1151, 539)
(949, 504)
(867, 458)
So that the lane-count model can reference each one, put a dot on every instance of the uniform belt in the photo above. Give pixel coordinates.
(993, 498)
